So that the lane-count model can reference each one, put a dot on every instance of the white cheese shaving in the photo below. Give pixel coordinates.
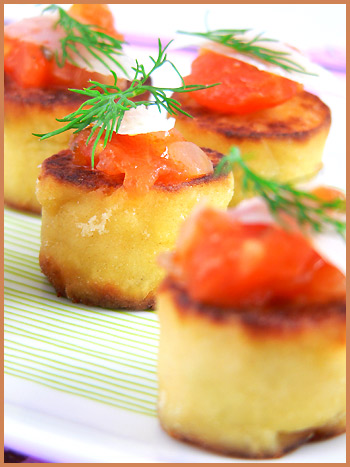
(42, 30)
(252, 211)
(332, 248)
(183, 42)
(144, 119)
(294, 55)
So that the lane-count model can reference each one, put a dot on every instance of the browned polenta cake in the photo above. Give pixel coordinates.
(99, 243)
(285, 142)
(40, 67)
(253, 383)
(28, 111)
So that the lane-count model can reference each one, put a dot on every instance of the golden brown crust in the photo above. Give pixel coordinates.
(22, 206)
(265, 321)
(61, 167)
(105, 296)
(261, 124)
(46, 98)
(288, 442)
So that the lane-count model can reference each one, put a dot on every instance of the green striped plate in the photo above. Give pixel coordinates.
(106, 356)
(80, 382)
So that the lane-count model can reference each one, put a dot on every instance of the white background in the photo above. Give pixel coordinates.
(304, 25)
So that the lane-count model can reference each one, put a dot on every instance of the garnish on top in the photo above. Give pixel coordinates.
(222, 260)
(317, 211)
(139, 158)
(94, 38)
(255, 73)
(104, 111)
(60, 49)
(234, 38)
(142, 161)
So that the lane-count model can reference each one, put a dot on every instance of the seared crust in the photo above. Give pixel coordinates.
(288, 441)
(61, 167)
(99, 243)
(266, 123)
(105, 296)
(265, 321)
(22, 206)
(28, 111)
(47, 97)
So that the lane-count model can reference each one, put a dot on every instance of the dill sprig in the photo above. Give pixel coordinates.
(106, 105)
(233, 38)
(306, 208)
(100, 45)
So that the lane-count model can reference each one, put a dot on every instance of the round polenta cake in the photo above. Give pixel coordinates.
(99, 243)
(284, 143)
(29, 111)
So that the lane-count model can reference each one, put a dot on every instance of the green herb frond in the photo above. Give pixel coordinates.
(100, 45)
(233, 38)
(306, 208)
(106, 104)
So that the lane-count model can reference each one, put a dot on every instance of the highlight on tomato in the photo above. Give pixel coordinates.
(243, 88)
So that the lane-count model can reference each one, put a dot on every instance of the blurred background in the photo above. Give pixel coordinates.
(318, 29)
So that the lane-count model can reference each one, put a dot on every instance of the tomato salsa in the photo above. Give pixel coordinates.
(30, 46)
(222, 261)
(144, 160)
(243, 88)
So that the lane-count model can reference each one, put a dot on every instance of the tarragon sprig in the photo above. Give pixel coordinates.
(306, 208)
(100, 45)
(106, 105)
(233, 38)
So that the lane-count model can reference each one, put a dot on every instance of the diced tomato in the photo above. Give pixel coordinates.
(30, 45)
(26, 63)
(224, 262)
(243, 88)
(144, 160)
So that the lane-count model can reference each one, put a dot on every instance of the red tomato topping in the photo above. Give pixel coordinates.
(243, 89)
(26, 64)
(223, 262)
(141, 161)
(30, 45)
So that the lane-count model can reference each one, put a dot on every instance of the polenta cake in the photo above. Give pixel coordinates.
(38, 73)
(103, 229)
(116, 198)
(253, 108)
(252, 336)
